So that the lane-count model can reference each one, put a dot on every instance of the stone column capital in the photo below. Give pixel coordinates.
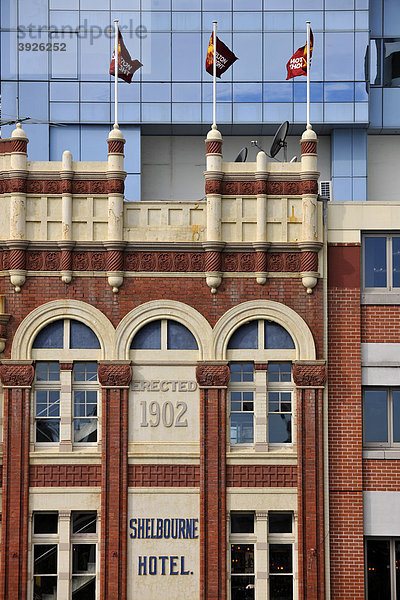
(212, 375)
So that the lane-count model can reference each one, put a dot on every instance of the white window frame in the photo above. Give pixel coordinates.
(65, 540)
(164, 353)
(389, 264)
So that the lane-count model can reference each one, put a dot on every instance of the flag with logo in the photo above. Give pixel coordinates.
(297, 64)
(126, 66)
(224, 57)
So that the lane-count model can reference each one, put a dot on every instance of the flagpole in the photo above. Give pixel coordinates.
(214, 125)
(116, 74)
(308, 74)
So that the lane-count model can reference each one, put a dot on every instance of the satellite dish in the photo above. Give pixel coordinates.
(241, 157)
(279, 140)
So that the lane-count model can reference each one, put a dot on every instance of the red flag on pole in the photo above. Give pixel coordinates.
(126, 66)
(224, 57)
(297, 64)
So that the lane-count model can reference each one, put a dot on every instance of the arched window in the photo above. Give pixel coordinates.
(164, 334)
(68, 334)
(261, 352)
(65, 393)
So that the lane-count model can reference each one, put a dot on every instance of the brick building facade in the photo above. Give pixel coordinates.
(167, 427)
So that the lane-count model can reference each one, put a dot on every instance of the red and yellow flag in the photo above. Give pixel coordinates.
(126, 66)
(224, 57)
(297, 64)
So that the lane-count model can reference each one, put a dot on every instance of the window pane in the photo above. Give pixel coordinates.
(396, 415)
(179, 337)
(45, 588)
(48, 430)
(281, 587)
(242, 587)
(45, 559)
(396, 261)
(84, 522)
(148, 337)
(85, 371)
(280, 558)
(279, 522)
(51, 336)
(242, 558)
(276, 336)
(279, 428)
(82, 336)
(85, 430)
(45, 522)
(375, 261)
(49, 371)
(242, 372)
(242, 522)
(83, 558)
(375, 416)
(397, 559)
(242, 428)
(245, 337)
(83, 588)
(378, 569)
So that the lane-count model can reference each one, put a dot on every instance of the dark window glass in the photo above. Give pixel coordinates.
(280, 558)
(378, 569)
(242, 428)
(47, 371)
(81, 336)
(242, 587)
(179, 337)
(281, 587)
(391, 63)
(397, 559)
(375, 261)
(51, 336)
(375, 416)
(242, 522)
(148, 337)
(45, 522)
(279, 417)
(242, 372)
(84, 522)
(45, 559)
(83, 571)
(242, 558)
(47, 431)
(245, 337)
(45, 587)
(279, 522)
(396, 261)
(276, 336)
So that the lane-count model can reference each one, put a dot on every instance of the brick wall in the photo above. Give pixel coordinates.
(136, 291)
(345, 424)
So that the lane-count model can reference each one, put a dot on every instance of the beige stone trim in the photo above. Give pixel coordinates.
(264, 309)
(62, 309)
(163, 309)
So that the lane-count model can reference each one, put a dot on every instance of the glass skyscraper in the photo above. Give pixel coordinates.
(55, 57)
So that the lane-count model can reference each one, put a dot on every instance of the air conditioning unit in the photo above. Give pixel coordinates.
(325, 189)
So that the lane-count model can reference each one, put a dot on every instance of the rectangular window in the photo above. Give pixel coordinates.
(381, 417)
(47, 402)
(251, 554)
(85, 402)
(381, 261)
(381, 568)
(77, 545)
(242, 403)
(279, 403)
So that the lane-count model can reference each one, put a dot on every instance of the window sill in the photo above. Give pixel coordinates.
(384, 297)
(381, 453)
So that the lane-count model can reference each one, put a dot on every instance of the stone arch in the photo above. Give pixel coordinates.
(264, 309)
(163, 309)
(63, 309)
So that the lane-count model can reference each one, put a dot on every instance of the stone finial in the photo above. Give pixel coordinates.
(18, 132)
